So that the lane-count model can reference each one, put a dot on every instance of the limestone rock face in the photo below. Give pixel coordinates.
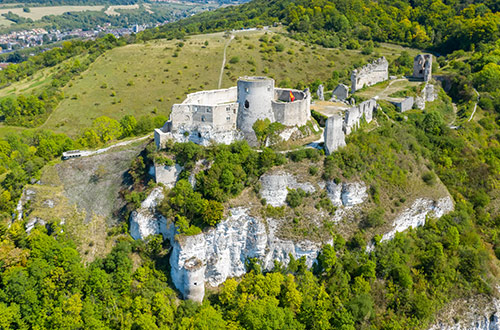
(145, 221)
(430, 93)
(353, 193)
(274, 187)
(346, 194)
(221, 252)
(167, 175)
(485, 317)
(416, 214)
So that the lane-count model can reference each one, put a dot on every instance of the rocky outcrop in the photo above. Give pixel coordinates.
(274, 187)
(145, 221)
(167, 175)
(221, 252)
(415, 216)
(218, 253)
(481, 313)
(346, 194)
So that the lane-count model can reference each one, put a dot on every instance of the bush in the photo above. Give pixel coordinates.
(294, 197)
(429, 178)
(374, 218)
(234, 60)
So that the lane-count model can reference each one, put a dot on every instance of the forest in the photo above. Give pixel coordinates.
(402, 284)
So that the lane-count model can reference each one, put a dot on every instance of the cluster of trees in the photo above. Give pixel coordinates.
(423, 24)
(233, 167)
(399, 286)
(105, 129)
(21, 158)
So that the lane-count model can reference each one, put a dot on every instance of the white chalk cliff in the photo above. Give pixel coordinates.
(477, 316)
(415, 216)
(346, 194)
(274, 187)
(220, 252)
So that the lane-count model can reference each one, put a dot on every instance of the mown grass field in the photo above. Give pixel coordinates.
(37, 13)
(146, 79)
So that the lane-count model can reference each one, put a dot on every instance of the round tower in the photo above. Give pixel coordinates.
(255, 96)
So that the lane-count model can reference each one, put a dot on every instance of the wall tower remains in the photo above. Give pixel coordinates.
(422, 67)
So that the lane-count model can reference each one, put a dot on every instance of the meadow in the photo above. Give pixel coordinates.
(146, 79)
(37, 13)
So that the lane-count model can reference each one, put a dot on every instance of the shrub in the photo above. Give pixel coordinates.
(234, 59)
(374, 218)
(429, 178)
(294, 197)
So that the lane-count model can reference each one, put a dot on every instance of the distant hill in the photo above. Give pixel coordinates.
(423, 24)
(112, 2)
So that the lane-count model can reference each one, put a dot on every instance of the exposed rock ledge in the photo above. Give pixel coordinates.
(477, 313)
(415, 216)
(275, 187)
(220, 252)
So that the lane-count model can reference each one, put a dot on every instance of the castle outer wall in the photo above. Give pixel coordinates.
(370, 74)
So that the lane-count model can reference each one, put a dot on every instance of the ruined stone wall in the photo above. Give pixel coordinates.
(334, 134)
(405, 104)
(212, 97)
(370, 74)
(341, 92)
(295, 113)
(224, 116)
(337, 128)
(422, 67)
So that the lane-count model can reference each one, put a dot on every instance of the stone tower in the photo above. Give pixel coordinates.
(255, 96)
(334, 134)
(422, 67)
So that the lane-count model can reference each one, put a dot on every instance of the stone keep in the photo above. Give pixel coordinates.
(422, 67)
(320, 93)
(341, 92)
(370, 74)
(334, 134)
(255, 95)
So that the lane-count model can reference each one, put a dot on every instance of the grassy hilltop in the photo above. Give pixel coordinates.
(144, 79)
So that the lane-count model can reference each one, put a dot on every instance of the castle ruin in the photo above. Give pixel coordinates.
(336, 127)
(227, 115)
(370, 74)
(422, 67)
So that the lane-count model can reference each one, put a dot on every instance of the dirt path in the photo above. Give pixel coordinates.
(224, 60)
(86, 153)
(475, 105)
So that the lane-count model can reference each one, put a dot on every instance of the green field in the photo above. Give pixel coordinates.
(146, 79)
(37, 13)
(5, 130)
